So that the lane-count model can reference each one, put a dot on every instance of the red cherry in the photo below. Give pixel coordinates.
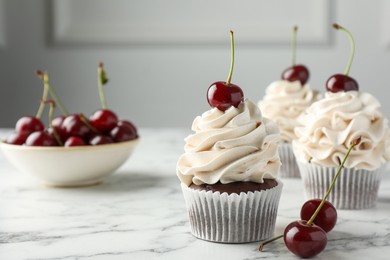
(103, 120)
(326, 218)
(122, 133)
(100, 139)
(304, 240)
(223, 96)
(56, 123)
(29, 124)
(74, 126)
(17, 138)
(296, 72)
(74, 141)
(127, 124)
(40, 138)
(340, 82)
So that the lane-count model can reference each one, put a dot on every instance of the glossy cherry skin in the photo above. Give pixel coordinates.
(29, 124)
(17, 138)
(129, 125)
(56, 123)
(103, 120)
(341, 82)
(74, 126)
(41, 138)
(326, 218)
(74, 141)
(122, 133)
(222, 96)
(100, 139)
(303, 240)
(296, 72)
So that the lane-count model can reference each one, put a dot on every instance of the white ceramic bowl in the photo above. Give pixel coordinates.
(69, 166)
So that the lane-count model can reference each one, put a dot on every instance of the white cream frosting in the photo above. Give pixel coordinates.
(235, 145)
(284, 102)
(333, 122)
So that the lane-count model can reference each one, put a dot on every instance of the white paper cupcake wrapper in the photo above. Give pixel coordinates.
(233, 218)
(289, 168)
(353, 189)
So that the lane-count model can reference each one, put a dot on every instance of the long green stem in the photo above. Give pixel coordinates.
(352, 145)
(102, 80)
(42, 104)
(294, 45)
(232, 59)
(45, 79)
(349, 34)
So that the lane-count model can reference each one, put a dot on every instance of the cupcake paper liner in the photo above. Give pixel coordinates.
(353, 189)
(289, 168)
(234, 218)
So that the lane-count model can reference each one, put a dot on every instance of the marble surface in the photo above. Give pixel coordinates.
(139, 213)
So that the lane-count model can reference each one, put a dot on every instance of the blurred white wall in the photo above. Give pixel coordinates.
(161, 56)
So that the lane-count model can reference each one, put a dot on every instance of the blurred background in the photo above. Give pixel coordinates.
(161, 56)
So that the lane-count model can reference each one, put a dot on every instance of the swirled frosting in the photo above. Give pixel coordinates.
(284, 102)
(235, 145)
(333, 122)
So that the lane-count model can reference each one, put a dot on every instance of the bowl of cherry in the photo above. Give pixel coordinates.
(73, 150)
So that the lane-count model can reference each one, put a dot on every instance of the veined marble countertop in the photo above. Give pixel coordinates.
(139, 213)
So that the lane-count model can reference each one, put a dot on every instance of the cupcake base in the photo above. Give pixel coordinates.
(235, 218)
(289, 168)
(354, 189)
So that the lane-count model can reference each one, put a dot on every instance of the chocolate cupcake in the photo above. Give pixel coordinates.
(229, 175)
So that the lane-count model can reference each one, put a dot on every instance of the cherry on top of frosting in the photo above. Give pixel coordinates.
(223, 95)
(343, 82)
(295, 72)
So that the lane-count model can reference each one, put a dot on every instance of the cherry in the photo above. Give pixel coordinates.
(295, 72)
(340, 82)
(73, 125)
(17, 138)
(100, 139)
(305, 240)
(29, 124)
(223, 95)
(103, 120)
(122, 133)
(74, 141)
(128, 124)
(326, 218)
(56, 124)
(40, 138)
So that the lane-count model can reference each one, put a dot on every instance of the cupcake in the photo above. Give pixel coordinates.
(329, 127)
(284, 101)
(229, 170)
(228, 175)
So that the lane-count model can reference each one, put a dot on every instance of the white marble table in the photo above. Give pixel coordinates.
(139, 213)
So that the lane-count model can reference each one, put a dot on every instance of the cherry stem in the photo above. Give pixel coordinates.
(86, 122)
(352, 145)
(102, 80)
(338, 27)
(268, 241)
(45, 78)
(51, 112)
(229, 79)
(42, 104)
(294, 45)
